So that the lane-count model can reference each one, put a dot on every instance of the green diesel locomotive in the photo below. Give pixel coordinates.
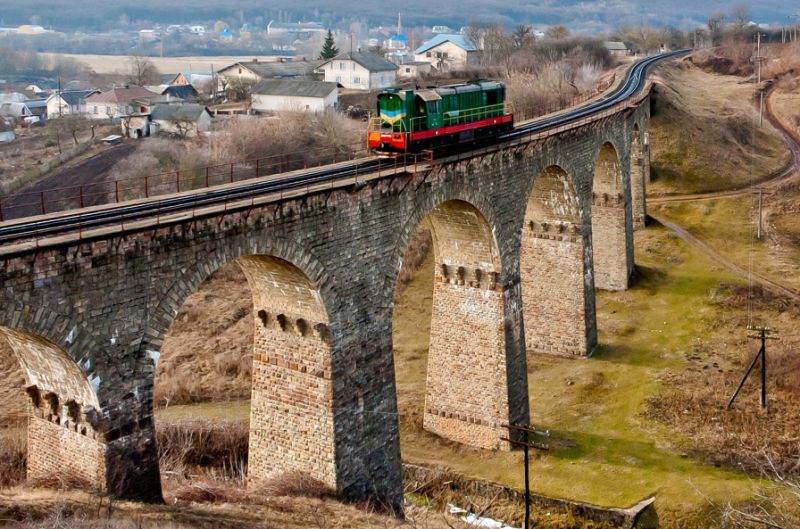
(412, 120)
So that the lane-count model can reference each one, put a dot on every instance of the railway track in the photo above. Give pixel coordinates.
(74, 220)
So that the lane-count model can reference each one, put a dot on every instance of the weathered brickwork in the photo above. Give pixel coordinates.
(553, 270)
(638, 200)
(323, 269)
(610, 209)
(291, 411)
(68, 453)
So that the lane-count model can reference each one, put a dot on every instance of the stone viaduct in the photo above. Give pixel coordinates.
(523, 235)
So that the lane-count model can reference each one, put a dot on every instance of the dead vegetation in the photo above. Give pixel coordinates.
(743, 436)
(254, 145)
(207, 353)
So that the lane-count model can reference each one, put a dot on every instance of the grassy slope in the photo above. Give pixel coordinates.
(596, 407)
(702, 134)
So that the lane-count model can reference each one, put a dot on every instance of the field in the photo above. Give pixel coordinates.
(120, 64)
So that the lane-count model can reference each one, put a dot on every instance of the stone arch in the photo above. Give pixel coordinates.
(66, 432)
(558, 318)
(204, 266)
(467, 386)
(291, 417)
(609, 230)
(638, 184)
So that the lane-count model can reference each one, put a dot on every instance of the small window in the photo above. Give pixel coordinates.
(343, 66)
(356, 80)
(94, 110)
(408, 70)
(339, 79)
(240, 71)
(428, 54)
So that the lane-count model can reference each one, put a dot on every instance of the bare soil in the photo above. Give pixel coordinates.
(84, 181)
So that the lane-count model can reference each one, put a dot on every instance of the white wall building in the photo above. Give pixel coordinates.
(447, 52)
(68, 103)
(276, 95)
(359, 71)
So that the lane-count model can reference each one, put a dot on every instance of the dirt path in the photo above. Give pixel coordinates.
(769, 183)
(82, 182)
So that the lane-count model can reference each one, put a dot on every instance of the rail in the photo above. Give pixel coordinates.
(148, 212)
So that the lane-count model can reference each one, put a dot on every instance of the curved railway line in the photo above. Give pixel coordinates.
(75, 220)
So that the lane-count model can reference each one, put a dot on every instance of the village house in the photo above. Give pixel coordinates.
(118, 102)
(359, 70)
(185, 120)
(185, 92)
(274, 95)
(198, 80)
(619, 49)
(414, 69)
(447, 52)
(251, 72)
(68, 103)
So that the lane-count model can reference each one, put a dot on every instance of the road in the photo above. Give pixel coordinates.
(768, 183)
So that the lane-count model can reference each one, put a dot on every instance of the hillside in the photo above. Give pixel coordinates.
(703, 133)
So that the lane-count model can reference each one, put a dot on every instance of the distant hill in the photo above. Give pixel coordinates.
(591, 15)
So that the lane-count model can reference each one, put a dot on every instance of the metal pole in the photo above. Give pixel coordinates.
(761, 110)
(744, 379)
(760, 194)
(527, 485)
(764, 369)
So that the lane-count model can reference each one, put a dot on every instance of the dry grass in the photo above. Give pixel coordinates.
(703, 134)
(207, 354)
(743, 436)
(736, 59)
(13, 452)
(254, 145)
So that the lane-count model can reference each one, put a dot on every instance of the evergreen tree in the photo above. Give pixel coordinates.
(329, 49)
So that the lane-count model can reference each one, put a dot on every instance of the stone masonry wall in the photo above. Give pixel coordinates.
(108, 300)
(291, 411)
(554, 298)
(466, 397)
(65, 453)
(553, 270)
(638, 206)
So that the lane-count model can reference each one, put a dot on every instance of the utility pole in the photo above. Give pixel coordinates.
(764, 334)
(526, 445)
(760, 196)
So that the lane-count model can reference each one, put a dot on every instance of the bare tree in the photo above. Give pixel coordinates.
(184, 126)
(142, 71)
(557, 32)
(714, 24)
(522, 37)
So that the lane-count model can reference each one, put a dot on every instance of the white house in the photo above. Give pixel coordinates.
(117, 102)
(68, 103)
(414, 69)
(254, 71)
(359, 70)
(274, 95)
(447, 52)
(619, 49)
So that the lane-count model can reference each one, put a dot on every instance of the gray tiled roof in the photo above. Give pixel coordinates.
(167, 112)
(294, 87)
(75, 97)
(279, 69)
(370, 61)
